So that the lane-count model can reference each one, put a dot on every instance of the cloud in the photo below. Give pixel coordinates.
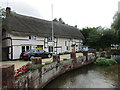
(22, 8)
(91, 13)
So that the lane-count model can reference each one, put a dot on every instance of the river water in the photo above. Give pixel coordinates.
(90, 76)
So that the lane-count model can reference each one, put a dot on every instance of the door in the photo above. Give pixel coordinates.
(50, 48)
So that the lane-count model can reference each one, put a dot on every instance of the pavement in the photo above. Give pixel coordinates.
(19, 63)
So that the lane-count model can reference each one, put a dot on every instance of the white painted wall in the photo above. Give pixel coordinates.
(61, 42)
(17, 44)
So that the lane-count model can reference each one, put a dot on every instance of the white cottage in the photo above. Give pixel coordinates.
(21, 33)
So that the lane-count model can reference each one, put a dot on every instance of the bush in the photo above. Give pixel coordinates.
(34, 67)
(105, 61)
(65, 59)
(47, 63)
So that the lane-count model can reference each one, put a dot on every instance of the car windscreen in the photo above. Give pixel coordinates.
(40, 51)
(30, 51)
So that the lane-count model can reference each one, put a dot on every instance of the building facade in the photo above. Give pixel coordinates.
(21, 33)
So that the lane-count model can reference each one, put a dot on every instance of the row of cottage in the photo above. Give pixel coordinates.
(21, 33)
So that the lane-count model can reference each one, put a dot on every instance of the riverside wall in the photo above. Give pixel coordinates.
(42, 76)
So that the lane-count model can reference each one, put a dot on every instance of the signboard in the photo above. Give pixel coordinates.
(73, 47)
(39, 46)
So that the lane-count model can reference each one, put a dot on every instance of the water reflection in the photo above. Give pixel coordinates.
(90, 76)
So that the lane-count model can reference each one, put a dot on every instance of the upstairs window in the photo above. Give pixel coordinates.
(32, 37)
(49, 39)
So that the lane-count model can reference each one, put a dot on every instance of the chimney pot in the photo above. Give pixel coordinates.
(8, 10)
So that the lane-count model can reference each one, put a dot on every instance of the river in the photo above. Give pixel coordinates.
(90, 76)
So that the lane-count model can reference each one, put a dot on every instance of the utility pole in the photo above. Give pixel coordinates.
(0, 40)
(52, 26)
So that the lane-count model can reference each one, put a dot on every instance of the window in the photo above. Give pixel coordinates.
(49, 39)
(32, 37)
(80, 47)
(65, 43)
(25, 48)
(50, 48)
(68, 48)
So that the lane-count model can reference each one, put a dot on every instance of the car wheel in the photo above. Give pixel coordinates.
(49, 56)
(30, 58)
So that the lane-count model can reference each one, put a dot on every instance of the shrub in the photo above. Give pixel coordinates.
(65, 59)
(34, 67)
(22, 70)
(47, 63)
(105, 61)
(25, 69)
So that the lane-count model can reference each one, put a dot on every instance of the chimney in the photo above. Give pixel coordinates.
(8, 11)
(55, 20)
(76, 26)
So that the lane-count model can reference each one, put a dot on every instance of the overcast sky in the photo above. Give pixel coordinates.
(83, 13)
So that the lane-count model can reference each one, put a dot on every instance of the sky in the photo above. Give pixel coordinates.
(83, 13)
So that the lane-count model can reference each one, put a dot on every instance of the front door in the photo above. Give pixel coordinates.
(39, 46)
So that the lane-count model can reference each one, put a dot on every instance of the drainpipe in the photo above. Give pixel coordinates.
(10, 46)
(11, 50)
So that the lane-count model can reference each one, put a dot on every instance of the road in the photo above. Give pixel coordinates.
(19, 63)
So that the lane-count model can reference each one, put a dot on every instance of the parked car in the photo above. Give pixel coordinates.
(90, 50)
(35, 53)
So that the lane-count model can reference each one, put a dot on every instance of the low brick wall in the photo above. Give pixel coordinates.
(42, 76)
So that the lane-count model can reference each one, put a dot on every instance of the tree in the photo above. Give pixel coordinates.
(108, 37)
(86, 32)
(61, 21)
(93, 39)
(116, 22)
(98, 37)
(116, 26)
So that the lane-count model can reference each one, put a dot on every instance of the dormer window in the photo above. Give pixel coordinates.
(49, 39)
(32, 37)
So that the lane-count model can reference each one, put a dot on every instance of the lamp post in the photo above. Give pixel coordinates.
(52, 28)
(0, 40)
(52, 25)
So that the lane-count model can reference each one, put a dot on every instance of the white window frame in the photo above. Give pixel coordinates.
(26, 47)
(68, 48)
(50, 50)
(32, 37)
